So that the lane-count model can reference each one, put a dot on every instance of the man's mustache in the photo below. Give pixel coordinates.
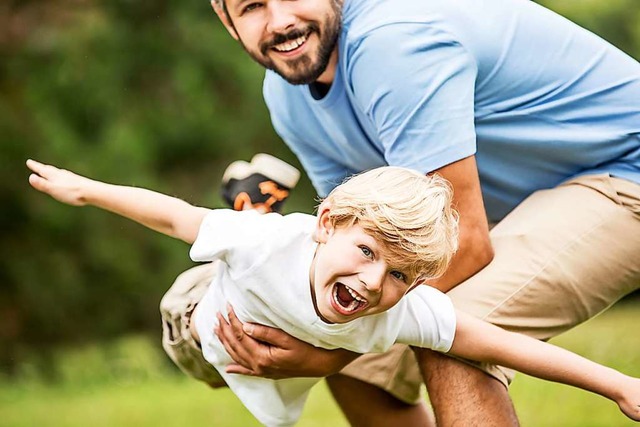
(280, 38)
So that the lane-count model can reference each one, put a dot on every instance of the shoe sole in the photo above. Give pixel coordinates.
(264, 164)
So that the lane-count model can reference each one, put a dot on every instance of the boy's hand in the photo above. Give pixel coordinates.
(62, 185)
(629, 401)
(271, 353)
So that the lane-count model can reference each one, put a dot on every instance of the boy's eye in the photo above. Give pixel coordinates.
(366, 251)
(399, 275)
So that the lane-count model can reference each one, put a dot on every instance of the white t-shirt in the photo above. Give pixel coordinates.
(264, 274)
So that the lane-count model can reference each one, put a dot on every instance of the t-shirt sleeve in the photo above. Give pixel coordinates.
(429, 321)
(419, 94)
(225, 233)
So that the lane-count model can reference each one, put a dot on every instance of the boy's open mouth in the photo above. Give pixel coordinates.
(347, 300)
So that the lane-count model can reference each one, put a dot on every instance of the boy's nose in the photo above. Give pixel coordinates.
(280, 18)
(373, 277)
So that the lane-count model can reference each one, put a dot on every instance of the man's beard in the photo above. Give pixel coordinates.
(304, 70)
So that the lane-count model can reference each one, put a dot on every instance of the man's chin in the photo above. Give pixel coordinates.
(300, 77)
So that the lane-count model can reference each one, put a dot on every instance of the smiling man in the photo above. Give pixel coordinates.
(535, 122)
(300, 51)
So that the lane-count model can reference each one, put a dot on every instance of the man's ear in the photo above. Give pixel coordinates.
(324, 226)
(224, 17)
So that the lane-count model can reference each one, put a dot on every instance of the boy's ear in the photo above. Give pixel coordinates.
(224, 18)
(324, 227)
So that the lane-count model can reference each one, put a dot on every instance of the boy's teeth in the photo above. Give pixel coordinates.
(354, 304)
(290, 45)
(354, 294)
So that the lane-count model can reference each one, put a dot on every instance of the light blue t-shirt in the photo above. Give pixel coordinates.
(424, 83)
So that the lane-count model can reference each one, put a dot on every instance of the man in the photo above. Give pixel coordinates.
(534, 121)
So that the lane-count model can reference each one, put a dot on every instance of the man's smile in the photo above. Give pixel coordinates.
(291, 45)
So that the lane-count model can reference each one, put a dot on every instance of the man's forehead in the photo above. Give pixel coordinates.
(236, 3)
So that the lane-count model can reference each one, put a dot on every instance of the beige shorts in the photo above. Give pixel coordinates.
(176, 307)
(561, 257)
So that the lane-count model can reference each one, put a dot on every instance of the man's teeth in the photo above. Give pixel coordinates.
(290, 45)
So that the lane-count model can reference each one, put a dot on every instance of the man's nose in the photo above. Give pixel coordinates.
(280, 18)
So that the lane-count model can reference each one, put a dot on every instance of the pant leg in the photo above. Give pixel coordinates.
(176, 307)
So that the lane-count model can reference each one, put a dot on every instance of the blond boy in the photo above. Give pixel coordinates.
(347, 278)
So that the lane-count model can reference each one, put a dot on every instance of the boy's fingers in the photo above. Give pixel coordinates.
(31, 164)
(35, 166)
(37, 182)
(40, 168)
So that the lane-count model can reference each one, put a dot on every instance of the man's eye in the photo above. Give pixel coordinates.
(366, 251)
(250, 7)
(399, 275)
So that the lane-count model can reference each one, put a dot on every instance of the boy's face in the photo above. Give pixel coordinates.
(350, 276)
(296, 39)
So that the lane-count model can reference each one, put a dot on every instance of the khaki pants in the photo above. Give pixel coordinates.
(561, 257)
(176, 307)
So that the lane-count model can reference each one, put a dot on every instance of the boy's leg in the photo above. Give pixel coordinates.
(562, 256)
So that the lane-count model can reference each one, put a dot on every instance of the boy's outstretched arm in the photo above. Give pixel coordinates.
(165, 214)
(484, 342)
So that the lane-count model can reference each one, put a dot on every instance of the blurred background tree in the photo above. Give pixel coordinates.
(139, 92)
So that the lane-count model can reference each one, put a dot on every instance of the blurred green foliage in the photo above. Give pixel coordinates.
(147, 93)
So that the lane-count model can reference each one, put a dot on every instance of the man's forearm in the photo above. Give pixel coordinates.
(474, 253)
(474, 250)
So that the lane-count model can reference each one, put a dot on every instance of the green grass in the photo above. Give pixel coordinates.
(611, 339)
(128, 383)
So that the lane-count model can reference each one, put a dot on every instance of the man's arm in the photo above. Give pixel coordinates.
(484, 342)
(165, 214)
(475, 250)
(271, 353)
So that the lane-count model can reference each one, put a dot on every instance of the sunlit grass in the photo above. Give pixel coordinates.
(128, 383)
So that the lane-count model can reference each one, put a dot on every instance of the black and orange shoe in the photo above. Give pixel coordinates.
(263, 184)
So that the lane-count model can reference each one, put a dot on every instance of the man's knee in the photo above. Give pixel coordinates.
(365, 404)
(462, 394)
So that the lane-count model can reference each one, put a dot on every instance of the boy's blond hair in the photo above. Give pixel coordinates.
(410, 213)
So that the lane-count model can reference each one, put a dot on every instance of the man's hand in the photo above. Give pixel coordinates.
(271, 353)
(62, 185)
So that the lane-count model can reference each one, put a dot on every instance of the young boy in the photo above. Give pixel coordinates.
(350, 277)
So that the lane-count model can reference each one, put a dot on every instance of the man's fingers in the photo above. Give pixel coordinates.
(235, 323)
(230, 342)
(266, 334)
(239, 369)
